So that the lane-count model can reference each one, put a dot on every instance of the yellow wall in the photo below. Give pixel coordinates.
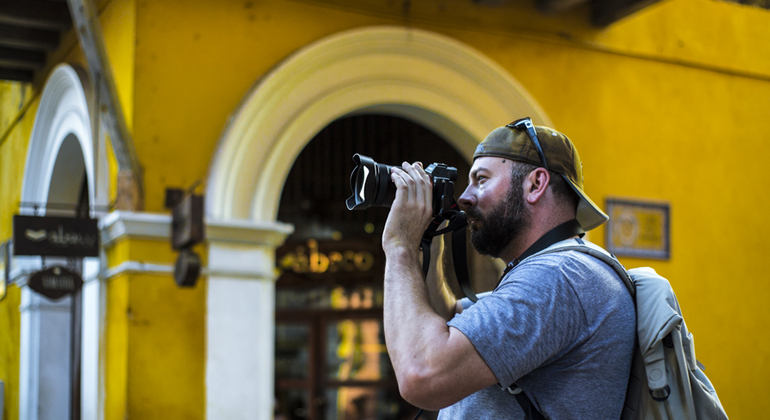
(15, 100)
(664, 105)
(155, 339)
(667, 104)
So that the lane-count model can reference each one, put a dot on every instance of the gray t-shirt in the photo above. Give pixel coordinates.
(561, 326)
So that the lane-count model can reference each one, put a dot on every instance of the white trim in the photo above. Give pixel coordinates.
(233, 234)
(248, 232)
(124, 224)
(140, 225)
(136, 267)
(63, 110)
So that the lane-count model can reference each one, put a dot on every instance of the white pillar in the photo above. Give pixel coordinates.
(240, 318)
(44, 357)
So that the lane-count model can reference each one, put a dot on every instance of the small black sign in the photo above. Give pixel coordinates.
(55, 236)
(187, 222)
(55, 282)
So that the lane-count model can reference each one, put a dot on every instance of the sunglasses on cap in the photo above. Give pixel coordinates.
(526, 125)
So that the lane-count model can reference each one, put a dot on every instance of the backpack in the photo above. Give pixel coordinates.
(675, 386)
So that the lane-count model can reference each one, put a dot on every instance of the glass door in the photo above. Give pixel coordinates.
(333, 365)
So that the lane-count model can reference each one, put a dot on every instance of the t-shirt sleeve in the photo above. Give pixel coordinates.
(532, 318)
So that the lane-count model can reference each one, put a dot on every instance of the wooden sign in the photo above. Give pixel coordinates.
(55, 282)
(55, 236)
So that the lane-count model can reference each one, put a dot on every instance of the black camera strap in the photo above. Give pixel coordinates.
(457, 226)
(564, 231)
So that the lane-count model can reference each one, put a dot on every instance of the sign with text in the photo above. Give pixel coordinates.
(638, 229)
(312, 257)
(55, 282)
(55, 236)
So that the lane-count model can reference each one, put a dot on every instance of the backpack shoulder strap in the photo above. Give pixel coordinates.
(596, 252)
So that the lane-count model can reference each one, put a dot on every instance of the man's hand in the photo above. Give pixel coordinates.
(411, 211)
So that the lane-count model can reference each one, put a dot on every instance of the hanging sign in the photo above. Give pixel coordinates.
(55, 236)
(55, 282)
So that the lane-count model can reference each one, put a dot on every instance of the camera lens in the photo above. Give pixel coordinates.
(371, 184)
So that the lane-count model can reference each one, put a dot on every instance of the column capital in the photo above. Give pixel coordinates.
(247, 232)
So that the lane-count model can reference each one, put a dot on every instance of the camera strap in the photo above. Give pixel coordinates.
(457, 226)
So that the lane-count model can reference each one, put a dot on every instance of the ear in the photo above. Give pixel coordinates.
(536, 184)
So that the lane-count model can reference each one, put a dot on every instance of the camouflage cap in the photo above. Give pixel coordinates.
(560, 156)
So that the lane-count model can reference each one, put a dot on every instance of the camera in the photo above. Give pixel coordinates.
(372, 187)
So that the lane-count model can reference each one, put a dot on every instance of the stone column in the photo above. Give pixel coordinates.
(240, 318)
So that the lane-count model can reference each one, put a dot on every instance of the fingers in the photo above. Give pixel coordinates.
(414, 182)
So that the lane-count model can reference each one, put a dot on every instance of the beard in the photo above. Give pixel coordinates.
(506, 221)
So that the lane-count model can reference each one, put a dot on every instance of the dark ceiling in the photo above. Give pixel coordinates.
(31, 29)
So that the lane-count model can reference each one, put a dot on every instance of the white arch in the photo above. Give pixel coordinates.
(64, 113)
(430, 79)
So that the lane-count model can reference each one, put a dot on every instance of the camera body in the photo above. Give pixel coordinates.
(372, 187)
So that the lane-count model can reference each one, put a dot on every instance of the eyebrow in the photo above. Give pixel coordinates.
(475, 173)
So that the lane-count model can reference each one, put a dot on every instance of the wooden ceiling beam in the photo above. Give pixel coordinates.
(16, 75)
(40, 14)
(28, 38)
(21, 59)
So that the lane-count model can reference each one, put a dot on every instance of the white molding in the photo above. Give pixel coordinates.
(136, 267)
(136, 225)
(247, 232)
(428, 78)
(118, 225)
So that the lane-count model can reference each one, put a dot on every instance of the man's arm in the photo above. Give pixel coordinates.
(442, 300)
(435, 365)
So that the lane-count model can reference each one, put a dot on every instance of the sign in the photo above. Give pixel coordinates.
(55, 282)
(187, 222)
(55, 236)
(327, 257)
(638, 229)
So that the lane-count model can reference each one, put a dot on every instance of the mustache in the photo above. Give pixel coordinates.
(473, 213)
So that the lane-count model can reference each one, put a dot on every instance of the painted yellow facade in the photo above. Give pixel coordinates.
(668, 104)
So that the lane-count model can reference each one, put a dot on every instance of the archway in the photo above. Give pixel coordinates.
(430, 79)
(65, 167)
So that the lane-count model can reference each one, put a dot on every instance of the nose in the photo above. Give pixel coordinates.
(467, 199)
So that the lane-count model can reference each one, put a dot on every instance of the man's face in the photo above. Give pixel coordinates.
(494, 205)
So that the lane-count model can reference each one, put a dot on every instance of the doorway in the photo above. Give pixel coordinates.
(331, 361)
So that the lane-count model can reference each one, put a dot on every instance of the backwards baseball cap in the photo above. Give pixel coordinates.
(545, 147)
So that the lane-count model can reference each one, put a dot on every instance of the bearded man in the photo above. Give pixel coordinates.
(559, 327)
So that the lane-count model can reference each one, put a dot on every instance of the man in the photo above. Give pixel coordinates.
(560, 326)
